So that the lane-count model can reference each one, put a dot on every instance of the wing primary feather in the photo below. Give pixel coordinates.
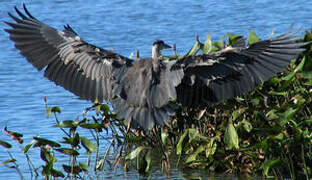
(20, 13)
(27, 12)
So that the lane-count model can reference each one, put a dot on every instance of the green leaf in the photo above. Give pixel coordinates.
(290, 113)
(47, 169)
(207, 46)
(164, 136)
(308, 83)
(231, 137)
(193, 156)
(247, 125)
(74, 141)
(291, 76)
(233, 38)
(285, 93)
(135, 153)
(255, 101)
(182, 139)
(134, 139)
(287, 115)
(194, 49)
(211, 147)
(271, 115)
(99, 166)
(68, 151)
(72, 169)
(5, 144)
(195, 136)
(267, 165)
(218, 45)
(43, 142)
(90, 125)
(27, 147)
(84, 166)
(54, 109)
(148, 159)
(237, 113)
(252, 38)
(105, 108)
(67, 124)
(14, 135)
(87, 144)
(307, 69)
(279, 137)
(47, 156)
(56, 173)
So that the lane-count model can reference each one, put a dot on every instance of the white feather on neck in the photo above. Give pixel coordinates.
(155, 52)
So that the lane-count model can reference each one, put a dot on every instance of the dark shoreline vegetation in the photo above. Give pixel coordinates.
(266, 133)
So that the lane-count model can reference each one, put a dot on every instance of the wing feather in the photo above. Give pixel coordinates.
(222, 75)
(68, 60)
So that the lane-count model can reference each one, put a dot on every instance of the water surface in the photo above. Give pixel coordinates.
(124, 26)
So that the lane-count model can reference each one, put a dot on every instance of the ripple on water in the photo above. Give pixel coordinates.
(124, 26)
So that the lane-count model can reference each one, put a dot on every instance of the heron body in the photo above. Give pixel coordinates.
(141, 91)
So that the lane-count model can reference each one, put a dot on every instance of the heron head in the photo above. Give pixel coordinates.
(160, 45)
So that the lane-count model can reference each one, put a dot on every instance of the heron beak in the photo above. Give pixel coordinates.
(166, 46)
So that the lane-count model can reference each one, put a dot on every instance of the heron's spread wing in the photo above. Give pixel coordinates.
(82, 68)
(214, 78)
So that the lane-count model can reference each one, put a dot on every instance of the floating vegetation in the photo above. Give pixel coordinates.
(265, 133)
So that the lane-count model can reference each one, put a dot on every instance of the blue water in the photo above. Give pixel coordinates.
(124, 26)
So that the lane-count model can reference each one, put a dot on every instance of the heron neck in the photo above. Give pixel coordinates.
(155, 52)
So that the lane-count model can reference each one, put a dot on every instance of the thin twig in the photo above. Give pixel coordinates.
(97, 149)
(16, 166)
(58, 122)
(107, 151)
(31, 165)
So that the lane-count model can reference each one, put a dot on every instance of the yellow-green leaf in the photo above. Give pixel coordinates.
(72, 170)
(43, 142)
(148, 159)
(68, 151)
(27, 147)
(231, 137)
(67, 124)
(291, 76)
(84, 166)
(135, 153)
(267, 165)
(182, 139)
(207, 46)
(194, 49)
(193, 156)
(252, 38)
(87, 144)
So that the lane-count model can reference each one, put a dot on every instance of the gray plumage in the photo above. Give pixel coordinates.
(141, 91)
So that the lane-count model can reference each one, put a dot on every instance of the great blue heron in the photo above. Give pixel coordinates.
(141, 91)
